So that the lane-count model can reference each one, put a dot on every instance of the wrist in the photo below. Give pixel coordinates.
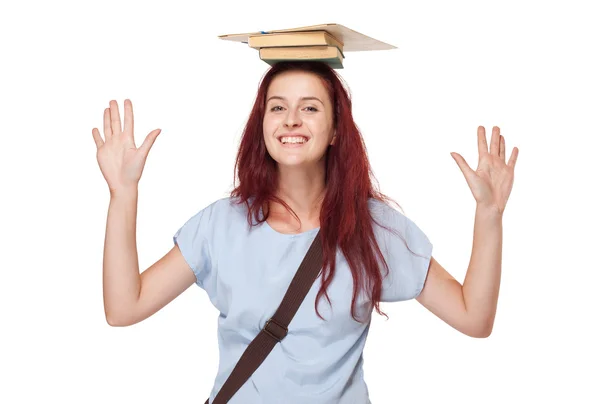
(125, 193)
(488, 211)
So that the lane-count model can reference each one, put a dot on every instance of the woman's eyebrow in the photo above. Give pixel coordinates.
(301, 99)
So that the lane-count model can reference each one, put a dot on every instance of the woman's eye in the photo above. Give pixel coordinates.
(275, 108)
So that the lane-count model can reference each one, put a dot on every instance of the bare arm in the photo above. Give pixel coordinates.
(120, 271)
(471, 307)
(128, 296)
(482, 283)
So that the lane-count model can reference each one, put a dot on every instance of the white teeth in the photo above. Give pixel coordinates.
(289, 139)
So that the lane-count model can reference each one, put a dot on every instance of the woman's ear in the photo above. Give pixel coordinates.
(333, 139)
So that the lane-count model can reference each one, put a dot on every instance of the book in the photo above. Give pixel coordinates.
(304, 38)
(328, 54)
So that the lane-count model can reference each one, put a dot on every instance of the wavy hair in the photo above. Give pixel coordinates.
(345, 219)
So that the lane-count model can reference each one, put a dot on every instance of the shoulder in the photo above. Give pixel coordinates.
(385, 214)
(391, 224)
(219, 214)
(225, 206)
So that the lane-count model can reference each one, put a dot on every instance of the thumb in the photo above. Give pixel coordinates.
(149, 141)
(462, 164)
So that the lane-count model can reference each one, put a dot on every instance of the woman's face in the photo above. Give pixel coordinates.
(298, 121)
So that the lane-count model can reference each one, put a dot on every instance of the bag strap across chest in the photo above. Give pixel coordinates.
(276, 328)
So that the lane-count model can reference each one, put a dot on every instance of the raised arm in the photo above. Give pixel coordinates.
(128, 296)
(471, 307)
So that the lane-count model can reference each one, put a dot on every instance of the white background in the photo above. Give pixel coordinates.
(529, 67)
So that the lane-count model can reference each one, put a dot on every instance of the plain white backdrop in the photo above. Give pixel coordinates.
(530, 68)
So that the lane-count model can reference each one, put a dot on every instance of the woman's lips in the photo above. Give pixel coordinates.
(293, 144)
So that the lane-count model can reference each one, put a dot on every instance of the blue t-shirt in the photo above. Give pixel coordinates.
(246, 272)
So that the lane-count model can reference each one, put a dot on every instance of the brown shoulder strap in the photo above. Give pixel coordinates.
(275, 328)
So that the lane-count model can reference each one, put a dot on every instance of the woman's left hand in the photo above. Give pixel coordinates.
(492, 182)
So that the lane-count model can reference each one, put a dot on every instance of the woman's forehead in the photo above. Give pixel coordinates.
(297, 86)
(296, 80)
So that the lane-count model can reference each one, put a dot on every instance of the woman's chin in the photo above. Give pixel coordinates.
(292, 162)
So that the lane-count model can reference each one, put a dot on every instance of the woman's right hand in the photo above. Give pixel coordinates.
(120, 161)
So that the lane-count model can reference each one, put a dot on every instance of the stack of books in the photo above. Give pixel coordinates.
(323, 42)
(307, 45)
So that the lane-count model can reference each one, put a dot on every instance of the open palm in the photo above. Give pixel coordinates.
(492, 181)
(120, 161)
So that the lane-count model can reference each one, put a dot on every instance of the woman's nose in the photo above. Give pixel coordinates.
(292, 119)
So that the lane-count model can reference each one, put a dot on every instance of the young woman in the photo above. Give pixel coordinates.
(302, 167)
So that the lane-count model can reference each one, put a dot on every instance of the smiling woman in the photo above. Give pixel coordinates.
(304, 180)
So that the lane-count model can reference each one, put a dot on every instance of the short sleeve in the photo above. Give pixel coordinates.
(193, 239)
(408, 262)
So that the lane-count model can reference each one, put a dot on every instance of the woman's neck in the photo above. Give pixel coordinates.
(303, 191)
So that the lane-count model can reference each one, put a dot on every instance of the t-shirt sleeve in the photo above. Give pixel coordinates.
(194, 241)
(408, 262)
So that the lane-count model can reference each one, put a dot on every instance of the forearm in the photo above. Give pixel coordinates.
(121, 277)
(482, 281)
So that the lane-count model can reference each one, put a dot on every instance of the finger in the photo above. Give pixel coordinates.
(495, 142)
(97, 138)
(512, 161)
(149, 141)
(115, 118)
(502, 149)
(481, 142)
(107, 129)
(128, 120)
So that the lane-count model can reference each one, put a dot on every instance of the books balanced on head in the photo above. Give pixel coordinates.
(325, 42)
(305, 45)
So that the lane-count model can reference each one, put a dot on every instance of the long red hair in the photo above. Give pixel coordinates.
(345, 218)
